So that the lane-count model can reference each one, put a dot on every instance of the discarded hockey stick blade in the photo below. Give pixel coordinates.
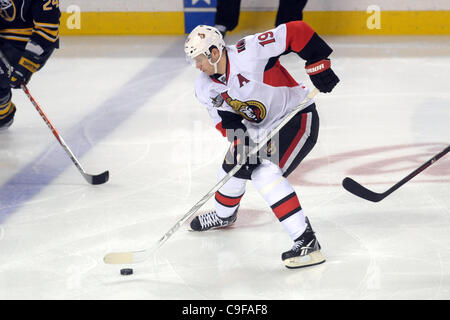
(92, 179)
(97, 179)
(142, 255)
(358, 190)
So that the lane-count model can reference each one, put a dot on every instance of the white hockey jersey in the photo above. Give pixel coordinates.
(256, 86)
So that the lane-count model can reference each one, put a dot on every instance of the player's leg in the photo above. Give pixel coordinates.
(282, 198)
(227, 201)
(297, 138)
(227, 15)
(290, 10)
(7, 107)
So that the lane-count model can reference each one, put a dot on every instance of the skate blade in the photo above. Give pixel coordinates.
(311, 259)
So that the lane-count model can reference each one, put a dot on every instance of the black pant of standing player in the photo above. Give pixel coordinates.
(7, 107)
(227, 14)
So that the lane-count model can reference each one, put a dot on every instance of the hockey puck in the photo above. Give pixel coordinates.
(126, 272)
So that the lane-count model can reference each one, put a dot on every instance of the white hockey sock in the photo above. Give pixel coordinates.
(279, 194)
(295, 225)
(229, 195)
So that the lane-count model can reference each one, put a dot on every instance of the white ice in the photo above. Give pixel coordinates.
(126, 104)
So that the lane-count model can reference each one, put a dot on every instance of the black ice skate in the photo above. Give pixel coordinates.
(211, 220)
(305, 252)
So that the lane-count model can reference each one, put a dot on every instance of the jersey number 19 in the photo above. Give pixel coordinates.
(266, 38)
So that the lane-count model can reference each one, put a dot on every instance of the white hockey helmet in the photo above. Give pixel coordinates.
(200, 41)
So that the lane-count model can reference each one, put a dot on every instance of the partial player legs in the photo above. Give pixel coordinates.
(279, 194)
(290, 10)
(7, 109)
(227, 15)
(305, 251)
(211, 220)
(227, 203)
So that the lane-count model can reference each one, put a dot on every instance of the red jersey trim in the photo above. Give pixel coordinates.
(221, 129)
(278, 76)
(298, 34)
(296, 140)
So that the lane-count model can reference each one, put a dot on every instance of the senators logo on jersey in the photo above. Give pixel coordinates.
(252, 110)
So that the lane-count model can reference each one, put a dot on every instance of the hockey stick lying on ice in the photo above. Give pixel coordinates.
(142, 255)
(92, 179)
(354, 187)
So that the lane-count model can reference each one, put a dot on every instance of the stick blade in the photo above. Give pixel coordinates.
(97, 179)
(118, 258)
(125, 257)
(358, 190)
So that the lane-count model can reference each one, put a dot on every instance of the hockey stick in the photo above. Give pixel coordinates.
(92, 179)
(354, 187)
(142, 255)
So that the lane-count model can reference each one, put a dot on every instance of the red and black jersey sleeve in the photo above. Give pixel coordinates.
(294, 36)
(303, 40)
(46, 16)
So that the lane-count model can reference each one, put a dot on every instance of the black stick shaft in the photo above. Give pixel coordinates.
(357, 189)
(418, 170)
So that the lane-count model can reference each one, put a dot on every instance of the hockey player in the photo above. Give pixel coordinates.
(246, 89)
(29, 32)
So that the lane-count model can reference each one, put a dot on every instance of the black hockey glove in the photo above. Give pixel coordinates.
(322, 76)
(23, 71)
(238, 152)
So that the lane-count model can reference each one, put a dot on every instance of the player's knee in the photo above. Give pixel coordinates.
(234, 186)
(266, 174)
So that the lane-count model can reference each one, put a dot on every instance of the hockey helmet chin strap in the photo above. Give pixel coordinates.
(214, 64)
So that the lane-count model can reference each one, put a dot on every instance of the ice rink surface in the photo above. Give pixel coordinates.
(126, 104)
